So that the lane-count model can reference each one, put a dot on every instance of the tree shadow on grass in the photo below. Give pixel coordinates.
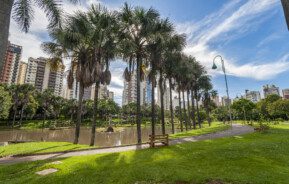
(228, 160)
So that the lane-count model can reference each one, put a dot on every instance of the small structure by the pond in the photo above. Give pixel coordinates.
(109, 129)
(46, 171)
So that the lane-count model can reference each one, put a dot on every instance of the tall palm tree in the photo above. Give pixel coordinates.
(75, 41)
(23, 14)
(206, 86)
(172, 61)
(27, 91)
(104, 37)
(157, 48)
(136, 27)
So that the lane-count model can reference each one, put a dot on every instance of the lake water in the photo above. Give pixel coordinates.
(103, 139)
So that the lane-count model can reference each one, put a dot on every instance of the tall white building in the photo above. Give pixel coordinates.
(130, 91)
(216, 100)
(226, 101)
(254, 96)
(285, 93)
(40, 74)
(270, 89)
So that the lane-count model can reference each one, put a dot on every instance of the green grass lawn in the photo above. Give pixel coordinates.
(215, 127)
(257, 158)
(39, 147)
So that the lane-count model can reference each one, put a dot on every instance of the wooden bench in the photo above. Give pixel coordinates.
(163, 139)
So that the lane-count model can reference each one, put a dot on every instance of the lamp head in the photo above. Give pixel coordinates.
(214, 66)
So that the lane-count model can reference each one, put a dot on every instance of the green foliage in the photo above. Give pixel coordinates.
(279, 109)
(221, 113)
(5, 103)
(215, 127)
(243, 109)
(264, 104)
(38, 147)
(255, 158)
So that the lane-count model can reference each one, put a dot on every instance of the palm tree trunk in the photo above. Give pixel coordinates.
(207, 103)
(171, 106)
(14, 117)
(189, 109)
(138, 118)
(95, 104)
(193, 109)
(198, 111)
(153, 107)
(79, 112)
(21, 116)
(208, 115)
(5, 14)
(180, 113)
(185, 113)
(161, 85)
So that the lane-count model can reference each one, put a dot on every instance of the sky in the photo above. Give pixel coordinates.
(250, 35)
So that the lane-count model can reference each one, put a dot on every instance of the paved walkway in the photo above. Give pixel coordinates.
(236, 130)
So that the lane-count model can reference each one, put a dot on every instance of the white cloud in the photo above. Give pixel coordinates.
(227, 24)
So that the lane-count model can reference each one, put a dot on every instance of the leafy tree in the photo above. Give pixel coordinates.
(5, 103)
(221, 113)
(243, 108)
(263, 105)
(279, 109)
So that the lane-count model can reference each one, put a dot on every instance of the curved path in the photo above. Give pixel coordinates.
(235, 130)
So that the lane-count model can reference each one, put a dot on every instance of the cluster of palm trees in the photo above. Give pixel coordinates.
(149, 45)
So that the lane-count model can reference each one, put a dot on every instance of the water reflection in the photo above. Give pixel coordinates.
(103, 139)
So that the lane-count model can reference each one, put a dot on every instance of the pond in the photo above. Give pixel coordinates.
(128, 135)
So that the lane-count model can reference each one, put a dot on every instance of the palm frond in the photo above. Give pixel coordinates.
(23, 14)
(53, 11)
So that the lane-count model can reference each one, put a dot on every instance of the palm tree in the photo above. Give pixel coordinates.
(170, 70)
(27, 91)
(157, 48)
(136, 28)
(23, 14)
(46, 101)
(75, 40)
(206, 86)
(15, 94)
(104, 37)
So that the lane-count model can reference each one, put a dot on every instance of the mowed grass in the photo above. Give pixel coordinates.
(48, 147)
(39, 147)
(215, 127)
(256, 158)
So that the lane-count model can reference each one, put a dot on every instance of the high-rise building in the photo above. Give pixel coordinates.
(216, 100)
(285, 93)
(254, 96)
(110, 95)
(226, 101)
(130, 91)
(103, 92)
(40, 74)
(10, 69)
(22, 73)
(270, 90)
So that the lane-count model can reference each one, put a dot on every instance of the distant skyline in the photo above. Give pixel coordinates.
(251, 36)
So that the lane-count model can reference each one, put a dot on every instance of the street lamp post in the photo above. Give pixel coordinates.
(227, 90)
